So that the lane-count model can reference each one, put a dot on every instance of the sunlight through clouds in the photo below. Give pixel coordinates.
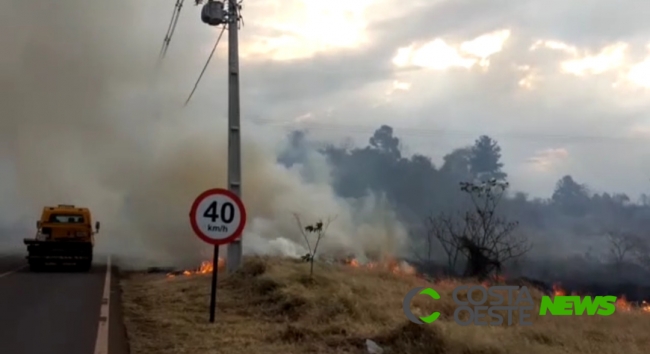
(486, 45)
(439, 55)
(555, 45)
(609, 58)
(435, 55)
(547, 160)
(299, 29)
(639, 74)
(401, 86)
(613, 58)
(531, 77)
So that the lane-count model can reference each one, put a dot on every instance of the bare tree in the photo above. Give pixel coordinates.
(626, 246)
(318, 230)
(422, 248)
(641, 254)
(443, 229)
(486, 239)
(620, 245)
(432, 235)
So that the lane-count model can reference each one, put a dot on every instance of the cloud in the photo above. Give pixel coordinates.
(292, 30)
(438, 55)
(548, 159)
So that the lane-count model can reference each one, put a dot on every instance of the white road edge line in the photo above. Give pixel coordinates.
(12, 271)
(101, 344)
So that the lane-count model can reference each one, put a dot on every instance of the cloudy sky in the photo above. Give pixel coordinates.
(562, 85)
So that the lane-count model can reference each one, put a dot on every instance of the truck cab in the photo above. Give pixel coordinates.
(64, 235)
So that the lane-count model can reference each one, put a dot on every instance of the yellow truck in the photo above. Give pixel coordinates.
(64, 236)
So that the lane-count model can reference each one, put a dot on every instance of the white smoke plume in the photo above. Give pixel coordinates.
(80, 123)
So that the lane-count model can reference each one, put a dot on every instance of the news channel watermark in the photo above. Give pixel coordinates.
(491, 305)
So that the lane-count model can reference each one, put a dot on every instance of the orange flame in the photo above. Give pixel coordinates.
(494, 279)
(623, 305)
(390, 264)
(557, 290)
(396, 267)
(645, 306)
(205, 268)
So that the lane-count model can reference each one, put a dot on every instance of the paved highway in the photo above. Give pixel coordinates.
(59, 312)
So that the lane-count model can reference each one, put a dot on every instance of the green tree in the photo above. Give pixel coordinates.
(571, 197)
(317, 230)
(384, 141)
(484, 160)
(456, 165)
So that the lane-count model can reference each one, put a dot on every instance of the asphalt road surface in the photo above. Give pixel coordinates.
(59, 312)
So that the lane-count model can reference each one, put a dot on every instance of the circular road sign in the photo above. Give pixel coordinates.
(218, 216)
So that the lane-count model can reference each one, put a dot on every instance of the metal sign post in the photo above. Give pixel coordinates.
(218, 217)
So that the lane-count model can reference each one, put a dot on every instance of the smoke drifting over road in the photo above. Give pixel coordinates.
(82, 122)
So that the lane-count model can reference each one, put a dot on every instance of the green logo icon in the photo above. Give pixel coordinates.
(406, 305)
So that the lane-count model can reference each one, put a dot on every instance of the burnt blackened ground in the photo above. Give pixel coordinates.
(627, 280)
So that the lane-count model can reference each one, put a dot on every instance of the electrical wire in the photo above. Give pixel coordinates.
(206, 65)
(171, 28)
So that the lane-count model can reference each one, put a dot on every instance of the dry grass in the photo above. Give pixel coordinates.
(271, 306)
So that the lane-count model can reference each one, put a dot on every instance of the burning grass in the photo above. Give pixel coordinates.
(272, 306)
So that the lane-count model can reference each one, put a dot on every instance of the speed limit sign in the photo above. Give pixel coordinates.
(218, 216)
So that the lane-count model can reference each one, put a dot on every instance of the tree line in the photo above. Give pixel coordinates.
(466, 206)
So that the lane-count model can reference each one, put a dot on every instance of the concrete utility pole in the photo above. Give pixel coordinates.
(234, 259)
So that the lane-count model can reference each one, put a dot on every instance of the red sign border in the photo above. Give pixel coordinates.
(195, 207)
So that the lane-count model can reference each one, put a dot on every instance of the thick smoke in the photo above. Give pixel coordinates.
(75, 128)
(157, 205)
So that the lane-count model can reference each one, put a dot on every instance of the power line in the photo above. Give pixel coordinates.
(206, 65)
(171, 28)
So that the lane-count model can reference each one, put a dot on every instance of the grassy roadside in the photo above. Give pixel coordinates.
(271, 306)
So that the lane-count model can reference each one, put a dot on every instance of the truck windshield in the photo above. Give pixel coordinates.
(64, 218)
